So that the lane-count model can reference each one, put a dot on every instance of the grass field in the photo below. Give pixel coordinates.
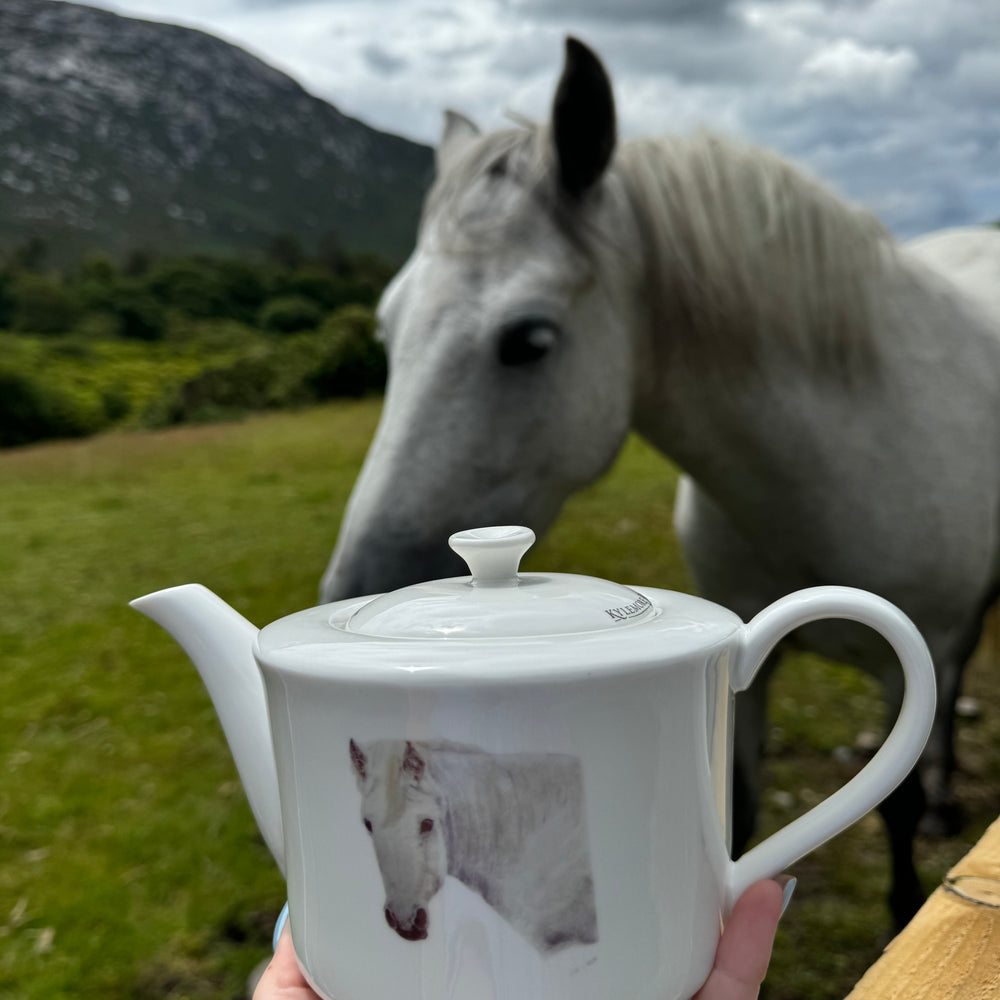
(129, 863)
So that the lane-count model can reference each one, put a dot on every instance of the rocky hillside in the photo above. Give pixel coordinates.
(118, 134)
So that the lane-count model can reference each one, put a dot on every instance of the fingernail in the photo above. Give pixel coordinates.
(787, 883)
(279, 926)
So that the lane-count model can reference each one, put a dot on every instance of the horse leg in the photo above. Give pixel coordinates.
(944, 816)
(901, 812)
(901, 809)
(924, 801)
(750, 728)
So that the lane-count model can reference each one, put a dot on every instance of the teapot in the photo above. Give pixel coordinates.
(514, 785)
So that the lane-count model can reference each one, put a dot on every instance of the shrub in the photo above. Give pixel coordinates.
(355, 362)
(140, 316)
(73, 386)
(266, 377)
(342, 358)
(137, 313)
(213, 337)
(35, 406)
(41, 304)
(105, 349)
(98, 270)
(188, 284)
(289, 314)
(317, 284)
(244, 288)
(6, 299)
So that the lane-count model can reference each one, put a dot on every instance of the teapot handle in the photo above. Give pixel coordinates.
(899, 752)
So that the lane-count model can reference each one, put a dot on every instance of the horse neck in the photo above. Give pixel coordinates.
(489, 806)
(744, 257)
(773, 430)
(754, 276)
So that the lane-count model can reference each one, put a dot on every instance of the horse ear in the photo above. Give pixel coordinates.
(583, 119)
(413, 764)
(359, 761)
(458, 132)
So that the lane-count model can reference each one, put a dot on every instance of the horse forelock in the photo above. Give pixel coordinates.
(745, 252)
(521, 155)
(396, 792)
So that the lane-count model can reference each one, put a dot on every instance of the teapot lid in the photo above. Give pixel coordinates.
(498, 601)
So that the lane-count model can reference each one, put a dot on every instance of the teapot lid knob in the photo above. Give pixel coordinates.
(494, 553)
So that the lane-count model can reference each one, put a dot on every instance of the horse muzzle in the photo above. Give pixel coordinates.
(416, 930)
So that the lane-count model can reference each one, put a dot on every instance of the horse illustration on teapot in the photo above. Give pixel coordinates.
(508, 826)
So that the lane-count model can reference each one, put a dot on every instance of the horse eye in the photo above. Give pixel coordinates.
(368, 825)
(527, 340)
(426, 825)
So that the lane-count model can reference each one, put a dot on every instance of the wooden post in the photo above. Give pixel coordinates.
(951, 948)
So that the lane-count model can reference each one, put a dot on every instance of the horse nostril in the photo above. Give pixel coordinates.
(389, 918)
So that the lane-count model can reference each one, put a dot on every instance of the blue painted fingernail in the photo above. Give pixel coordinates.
(279, 926)
(786, 893)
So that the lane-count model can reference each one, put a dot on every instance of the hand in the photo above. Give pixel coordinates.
(283, 979)
(741, 959)
(744, 950)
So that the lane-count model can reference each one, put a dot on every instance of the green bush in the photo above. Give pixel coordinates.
(355, 362)
(40, 304)
(6, 299)
(57, 387)
(35, 406)
(212, 337)
(172, 344)
(264, 378)
(317, 284)
(135, 313)
(244, 288)
(342, 358)
(190, 284)
(289, 314)
(140, 316)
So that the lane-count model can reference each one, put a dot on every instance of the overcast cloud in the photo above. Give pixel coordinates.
(895, 102)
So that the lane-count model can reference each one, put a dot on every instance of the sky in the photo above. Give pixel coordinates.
(895, 103)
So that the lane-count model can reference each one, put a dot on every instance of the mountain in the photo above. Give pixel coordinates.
(118, 134)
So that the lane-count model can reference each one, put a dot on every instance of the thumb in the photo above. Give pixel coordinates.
(744, 950)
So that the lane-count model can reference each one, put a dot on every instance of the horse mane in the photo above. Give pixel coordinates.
(742, 253)
(745, 252)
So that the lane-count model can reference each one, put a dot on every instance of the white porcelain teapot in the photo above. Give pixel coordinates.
(512, 785)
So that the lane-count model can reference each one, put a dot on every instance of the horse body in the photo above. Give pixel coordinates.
(831, 396)
(508, 826)
(894, 489)
(889, 482)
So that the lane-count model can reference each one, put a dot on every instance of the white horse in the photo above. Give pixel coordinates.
(832, 396)
(509, 826)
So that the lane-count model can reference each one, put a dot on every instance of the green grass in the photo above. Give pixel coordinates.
(130, 866)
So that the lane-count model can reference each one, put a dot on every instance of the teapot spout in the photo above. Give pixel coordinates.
(219, 642)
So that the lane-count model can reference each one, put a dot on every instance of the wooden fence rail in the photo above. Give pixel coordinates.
(951, 948)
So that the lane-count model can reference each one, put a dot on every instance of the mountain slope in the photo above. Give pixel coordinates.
(119, 134)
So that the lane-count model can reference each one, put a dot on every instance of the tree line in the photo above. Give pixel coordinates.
(285, 291)
(154, 341)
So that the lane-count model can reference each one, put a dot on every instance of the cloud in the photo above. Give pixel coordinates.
(382, 61)
(977, 74)
(859, 71)
(663, 11)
